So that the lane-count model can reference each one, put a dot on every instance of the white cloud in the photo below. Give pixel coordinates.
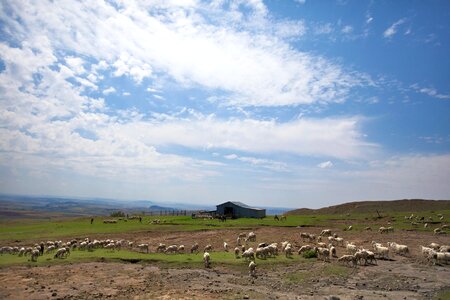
(329, 137)
(430, 91)
(300, 1)
(347, 29)
(109, 90)
(126, 94)
(193, 45)
(159, 97)
(392, 30)
(325, 165)
(264, 163)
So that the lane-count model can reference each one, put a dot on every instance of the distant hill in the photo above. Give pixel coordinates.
(405, 205)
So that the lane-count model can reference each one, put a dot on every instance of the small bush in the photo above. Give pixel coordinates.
(309, 254)
(118, 214)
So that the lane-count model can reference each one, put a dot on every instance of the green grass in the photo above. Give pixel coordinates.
(172, 260)
(442, 295)
(80, 227)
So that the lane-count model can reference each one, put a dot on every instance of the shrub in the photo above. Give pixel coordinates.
(309, 254)
(118, 214)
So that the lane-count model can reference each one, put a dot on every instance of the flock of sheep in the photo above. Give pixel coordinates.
(324, 246)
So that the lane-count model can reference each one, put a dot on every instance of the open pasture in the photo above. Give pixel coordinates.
(131, 273)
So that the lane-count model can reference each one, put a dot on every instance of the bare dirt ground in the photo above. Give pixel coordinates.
(399, 278)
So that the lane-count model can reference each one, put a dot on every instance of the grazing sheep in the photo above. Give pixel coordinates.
(238, 241)
(441, 257)
(398, 249)
(207, 259)
(444, 248)
(61, 253)
(427, 252)
(194, 248)
(438, 231)
(332, 250)
(288, 250)
(171, 249)
(260, 253)
(34, 255)
(348, 259)
(381, 251)
(249, 254)
(143, 247)
(251, 237)
(351, 248)
(207, 248)
(305, 248)
(349, 228)
(225, 246)
(236, 252)
(252, 269)
(181, 249)
(323, 253)
(322, 245)
(161, 248)
(326, 232)
(425, 225)
(383, 230)
(368, 228)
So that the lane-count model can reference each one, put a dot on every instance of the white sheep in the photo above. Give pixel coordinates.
(398, 249)
(442, 257)
(252, 269)
(34, 255)
(207, 259)
(323, 253)
(383, 230)
(288, 250)
(207, 248)
(161, 247)
(381, 251)
(332, 250)
(249, 254)
(225, 246)
(181, 249)
(348, 259)
(171, 249)
(305, 248)
(194, 248)
(351, 248)
(236, 252)
(326, 232)
(251, 237)
(61, 253)
(143, 247)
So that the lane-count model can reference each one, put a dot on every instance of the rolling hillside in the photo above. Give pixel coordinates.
(405, 205)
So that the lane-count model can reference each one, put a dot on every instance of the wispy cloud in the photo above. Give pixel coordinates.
(325, 164)
(109, 90)
(430, 91)
(392, 30)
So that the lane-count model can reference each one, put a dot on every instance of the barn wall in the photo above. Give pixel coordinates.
(241, 212)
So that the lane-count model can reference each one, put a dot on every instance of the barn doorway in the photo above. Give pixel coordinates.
(229, 212)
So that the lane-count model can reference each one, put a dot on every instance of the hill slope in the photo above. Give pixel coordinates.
(406, 205)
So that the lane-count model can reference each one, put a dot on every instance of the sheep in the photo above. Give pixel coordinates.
(381, 251)
(349, 228)
(304, 235)
(109, 221)
(194, 248)
(322, 245)
(445, 226)
(110, 246)
(161, 248)
(249, 254)
(438, 231)
(323, 253)
(441, 257)
(304, 249)
(207, 248)
(61, 253)
(399, 249)
(348, 259)
(427, 252)
(242, 235)
(444, 248)
(243, 248)
(22, 251)
(34, 255)
(325, 232)
(171, 249)
(368, 228)
(425, 225)
(332, 250)
(288, 250)
(238, 241)
(252, 237)
(181, 249)
(225, 246)
(351, 248)
(383, 230)
(252, 269)
(362, 255)
(260, 253)
(143, 247)
(207, 259)
(339, 241)
(236, 252)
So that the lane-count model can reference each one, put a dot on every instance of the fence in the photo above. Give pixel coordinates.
(171, 212)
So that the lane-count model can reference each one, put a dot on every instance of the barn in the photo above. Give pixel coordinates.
(233, 209)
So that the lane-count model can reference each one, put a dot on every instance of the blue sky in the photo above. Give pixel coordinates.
(272, 103)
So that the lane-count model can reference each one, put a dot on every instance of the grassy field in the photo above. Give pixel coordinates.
(25, 230)
(172, 260)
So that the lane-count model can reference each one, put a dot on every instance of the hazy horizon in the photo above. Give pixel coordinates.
(272, 103)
